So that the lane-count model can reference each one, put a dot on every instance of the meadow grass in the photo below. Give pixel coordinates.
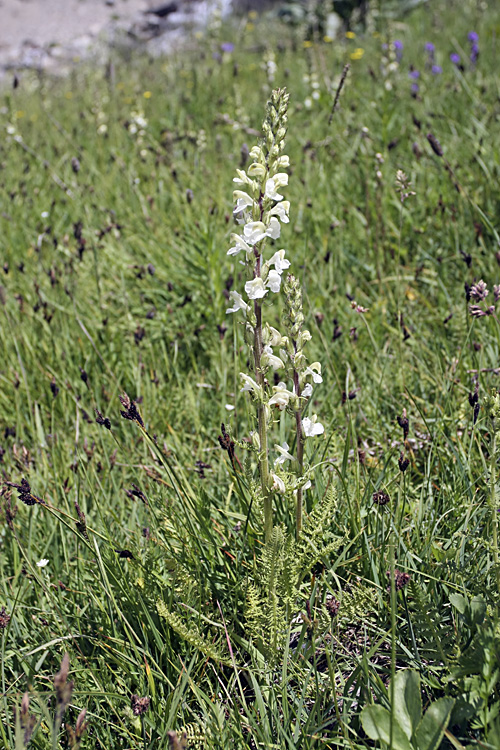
(115, 192)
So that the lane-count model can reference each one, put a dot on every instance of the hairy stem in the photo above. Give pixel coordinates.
(300, 457)
(262, 419)
(494, 515)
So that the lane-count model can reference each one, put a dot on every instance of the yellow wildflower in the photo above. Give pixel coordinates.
(357, 54)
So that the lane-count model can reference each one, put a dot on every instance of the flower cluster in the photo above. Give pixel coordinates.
(261, 210)
(391, 58)
(414, 75)
(473, 38)
(478, 293)
(431, 59)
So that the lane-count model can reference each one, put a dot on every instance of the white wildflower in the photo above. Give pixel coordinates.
(312, 427)
(42, 563)
(249, 384)
(282, 162)
(281, 396)
(239, 244)
(274, 228)
(239, 303)
(272, 336)
(284, 455)
(242, 178)
(257, 170)
(271, 192)
(280, 210)
(273, 281)
(268, 358)
(243, 201)
(279, 261)
(315, 371)
(254, 232)
(257, 154)
(278, 484)
(255, 288)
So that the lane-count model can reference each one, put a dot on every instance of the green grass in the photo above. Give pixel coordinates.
(118, 272)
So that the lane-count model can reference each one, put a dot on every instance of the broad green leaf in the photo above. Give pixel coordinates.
(459, 602)
(431, 729)
(407, 700)
(478, 609)
(376, 721)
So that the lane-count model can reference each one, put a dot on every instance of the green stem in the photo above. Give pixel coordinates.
(392, 567)
(493, 502)
(300, 458)
(262, 419)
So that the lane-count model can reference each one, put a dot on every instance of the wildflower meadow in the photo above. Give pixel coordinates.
(249, 388)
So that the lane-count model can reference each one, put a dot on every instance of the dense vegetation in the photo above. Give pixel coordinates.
(135, 545)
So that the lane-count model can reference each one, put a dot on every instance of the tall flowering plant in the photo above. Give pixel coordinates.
(261, 211)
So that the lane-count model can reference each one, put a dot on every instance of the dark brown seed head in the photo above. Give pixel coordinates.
(175, 742)
(404, 423)
(4, 619)
(26, 721)
(63, 687)
(75, 735)
(380, 498)
(333, 607)
(403, 462)
(401, 579)
(130, 410)
(25, 494)
(124, 554)
(104, 421)
(435, 145)
(139, 705)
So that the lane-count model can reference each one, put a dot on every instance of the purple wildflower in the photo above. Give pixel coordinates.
(436, 70)
(414, 75)
(476, 311)
(398, 47)
(473, 37)
(227, 46)
(474, 53)
(479, 291)
(496, 292)
(430, 48)
(455, 58)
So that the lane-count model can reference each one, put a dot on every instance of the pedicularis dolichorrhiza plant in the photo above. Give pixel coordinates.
(260, 211)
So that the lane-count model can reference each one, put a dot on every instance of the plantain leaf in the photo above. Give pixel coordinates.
(407, 700)
(376, 721)
(432, 727)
